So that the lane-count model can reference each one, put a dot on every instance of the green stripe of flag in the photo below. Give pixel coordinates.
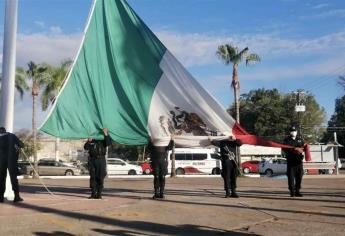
(113, 79)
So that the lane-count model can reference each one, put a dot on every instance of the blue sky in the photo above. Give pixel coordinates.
(302, 43)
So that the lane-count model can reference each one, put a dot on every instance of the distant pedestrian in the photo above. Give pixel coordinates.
(294, 157)
(97, 163)
(9, 150)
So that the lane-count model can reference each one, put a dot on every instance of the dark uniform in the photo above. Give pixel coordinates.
(229, 166)
(9, 145)
(159, 164)
(294, 165)
(97, 164)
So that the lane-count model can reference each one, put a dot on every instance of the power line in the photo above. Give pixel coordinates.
(323, 80)
(327, 76)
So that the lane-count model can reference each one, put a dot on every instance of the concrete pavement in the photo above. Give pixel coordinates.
(194, 206)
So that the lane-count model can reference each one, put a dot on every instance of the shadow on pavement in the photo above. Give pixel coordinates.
(56, 233)
(141, 227)
(82, 192)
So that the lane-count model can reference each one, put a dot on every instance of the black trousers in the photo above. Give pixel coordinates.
(97, 169)
(159, 170)
(295, 174)
(229, 174)
(13, 170)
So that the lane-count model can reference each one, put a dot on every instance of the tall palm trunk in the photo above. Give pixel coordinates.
(34, 132)
(35, 92)
(236, 86)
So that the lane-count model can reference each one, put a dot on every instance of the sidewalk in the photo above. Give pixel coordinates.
(342, 175)
(194, 206)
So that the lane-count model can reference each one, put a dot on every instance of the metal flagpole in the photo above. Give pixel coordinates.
(8, 72)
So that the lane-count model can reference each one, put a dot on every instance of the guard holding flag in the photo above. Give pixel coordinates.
(9, 147)
(159, 163)
(294, 157)
(97, 163)
(230, 169)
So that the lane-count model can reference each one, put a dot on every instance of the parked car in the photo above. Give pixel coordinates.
(23, 167)
(84, 168)
(52, 167)
(273, 167)
(21, 171)
(146, 168)
(250, 167)
(116, 166)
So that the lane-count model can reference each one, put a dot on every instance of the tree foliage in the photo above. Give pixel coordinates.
(26, 137)
(337, 124)
(54, 83)
(125, 152)
(269, 114)
(20, 81)
(341, 81)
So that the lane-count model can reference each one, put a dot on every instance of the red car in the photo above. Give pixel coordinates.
(146, 167)
(250, 167)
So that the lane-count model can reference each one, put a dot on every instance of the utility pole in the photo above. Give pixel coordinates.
(336, 153)
(57, 148)
(9, 73)
(172, 159)
(299, 108)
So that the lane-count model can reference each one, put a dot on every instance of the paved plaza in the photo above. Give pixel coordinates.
(194, 206)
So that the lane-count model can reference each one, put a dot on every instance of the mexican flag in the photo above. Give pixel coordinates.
(125, 79)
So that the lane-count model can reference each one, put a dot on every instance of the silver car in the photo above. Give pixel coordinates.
(276, 166)
(52, 167)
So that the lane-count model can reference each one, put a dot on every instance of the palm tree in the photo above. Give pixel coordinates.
(38, 75)
(54, 83)
(20, 81)
(57, 77)
(230, 54)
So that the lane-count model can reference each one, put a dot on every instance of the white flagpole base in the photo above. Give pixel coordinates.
(9, 194)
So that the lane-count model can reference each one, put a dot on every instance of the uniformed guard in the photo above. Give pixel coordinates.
(9, 149)
(230, 169)
(159, 164)
(294, 157)
(97, 163)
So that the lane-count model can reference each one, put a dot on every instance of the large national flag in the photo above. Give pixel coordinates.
(125, 79)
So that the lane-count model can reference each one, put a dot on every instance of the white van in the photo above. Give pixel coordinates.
(195, 161)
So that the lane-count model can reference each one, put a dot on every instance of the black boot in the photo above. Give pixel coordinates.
(2, 199)
(156, 195)
(227, 193)
(93, 195)
(161, 190)
(234, 194)
(17, 198)
(298, 194)
(161, 194)
(99, 195)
